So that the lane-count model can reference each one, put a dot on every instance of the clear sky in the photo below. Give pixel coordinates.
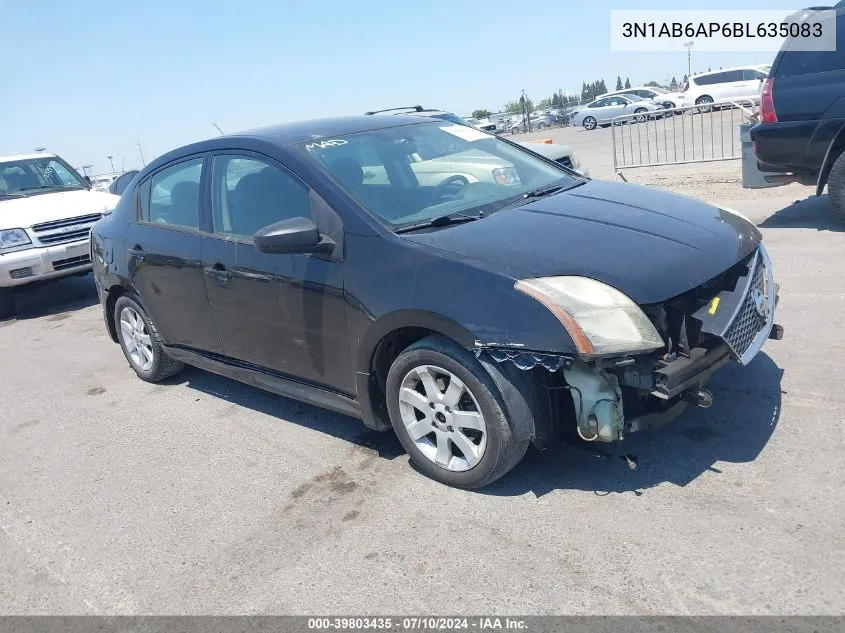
(90, 78)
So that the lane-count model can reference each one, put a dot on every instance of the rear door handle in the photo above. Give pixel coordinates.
(219, 272)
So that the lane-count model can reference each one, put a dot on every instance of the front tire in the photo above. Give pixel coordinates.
(641, 112)
(589, 123)
(836, 185)
(141, 343)
(7, 303)
(448, 415)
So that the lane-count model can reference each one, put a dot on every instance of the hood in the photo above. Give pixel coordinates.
(59, 205)
(649, 244)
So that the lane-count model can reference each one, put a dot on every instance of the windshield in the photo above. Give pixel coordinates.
(31, 176)
(409, 174)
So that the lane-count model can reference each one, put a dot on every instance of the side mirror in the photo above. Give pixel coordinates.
(296, 235)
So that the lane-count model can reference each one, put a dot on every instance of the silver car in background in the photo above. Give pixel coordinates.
(603, 111)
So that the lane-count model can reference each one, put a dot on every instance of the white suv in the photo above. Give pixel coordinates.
(741, 83)
(46, 213)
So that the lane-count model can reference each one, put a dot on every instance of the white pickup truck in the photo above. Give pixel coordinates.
(46, 213)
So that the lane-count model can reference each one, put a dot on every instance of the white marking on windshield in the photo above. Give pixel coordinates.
(336, 142)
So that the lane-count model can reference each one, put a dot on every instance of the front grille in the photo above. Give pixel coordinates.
(748, 321)
(58, 224)
(62, 238)
(566, 161)
(71, 262)
(56, 232)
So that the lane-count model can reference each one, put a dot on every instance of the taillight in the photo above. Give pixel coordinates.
(767, 104)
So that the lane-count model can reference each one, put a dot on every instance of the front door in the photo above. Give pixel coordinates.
(164, 251)
(282, 312)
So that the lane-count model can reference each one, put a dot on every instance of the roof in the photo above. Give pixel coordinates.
(301, 131)
(8, 159)
(722, 70)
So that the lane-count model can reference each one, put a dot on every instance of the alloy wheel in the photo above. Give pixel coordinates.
(136, 339)
(442, 418)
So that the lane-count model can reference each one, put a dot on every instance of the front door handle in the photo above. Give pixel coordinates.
(138, 252)
(219, 272)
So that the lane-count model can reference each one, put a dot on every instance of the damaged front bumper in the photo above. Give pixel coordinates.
(612, 397)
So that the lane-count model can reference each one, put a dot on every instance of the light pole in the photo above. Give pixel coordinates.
(112, 163)
(688, 46)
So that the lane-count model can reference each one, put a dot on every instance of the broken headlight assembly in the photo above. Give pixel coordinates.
(601, 320)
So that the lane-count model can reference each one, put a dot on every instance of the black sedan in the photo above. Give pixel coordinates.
(431, 278)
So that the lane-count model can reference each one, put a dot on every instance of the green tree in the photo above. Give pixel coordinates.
(481, 113)
(618, 82)
(673, 85)
(515, 107)
(627, 83)
(685, 79)
(544, 103)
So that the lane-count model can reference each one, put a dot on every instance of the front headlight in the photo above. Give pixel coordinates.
(13, 238)
(601, 320)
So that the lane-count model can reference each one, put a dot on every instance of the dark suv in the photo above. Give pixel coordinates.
(802, 113)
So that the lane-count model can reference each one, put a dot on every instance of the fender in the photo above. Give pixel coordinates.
(834, 148)
(374, 413)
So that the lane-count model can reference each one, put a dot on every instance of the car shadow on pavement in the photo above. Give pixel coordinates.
(55, 297)
(288, 410)
(814, 212)
(735, 429)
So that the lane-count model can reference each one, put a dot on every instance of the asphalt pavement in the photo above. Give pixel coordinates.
(204, 496)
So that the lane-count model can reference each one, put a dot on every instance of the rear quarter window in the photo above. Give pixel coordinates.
(793, 63)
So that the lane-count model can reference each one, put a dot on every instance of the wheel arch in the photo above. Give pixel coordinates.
(394, 333)
(112, 295)
(704, 96)
(383, 341)
(834, 150)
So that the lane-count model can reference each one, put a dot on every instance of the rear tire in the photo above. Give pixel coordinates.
(589, 123)
(704, 104)
(7, 303)
(141, 343)
(421, 401)
(836, 185)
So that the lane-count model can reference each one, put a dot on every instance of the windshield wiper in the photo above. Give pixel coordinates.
(543, 191)
(440, 220)
(52, 187)
(12, 194)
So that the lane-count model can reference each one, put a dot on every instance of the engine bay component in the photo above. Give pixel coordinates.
(598, 402)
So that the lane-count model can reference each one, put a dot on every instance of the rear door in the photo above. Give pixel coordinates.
(727, 86)
(753, 78)
(164, 255)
